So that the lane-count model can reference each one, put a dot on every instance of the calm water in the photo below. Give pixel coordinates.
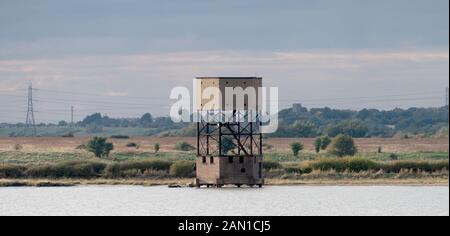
(292, 200)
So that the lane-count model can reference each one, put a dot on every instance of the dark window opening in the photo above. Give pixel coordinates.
(211, 159)
(241, 159)
(230, 159)
(260, 170)
(204, 160)
(243, 170)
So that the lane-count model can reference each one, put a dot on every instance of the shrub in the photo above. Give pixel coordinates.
(18, 147)
(183, 169)
(270, 165)
(157, 147)
(295, 169)
(136, 173)
(72, 169)
(318, 144)
(184, 146)
(68, 135)
(325, 142)
(322, 143)
(11, 171)
(99, 147)
(393, 157)
(359, 164)
(115, 170)
(415, 166)
(296, 148)
(120, 137)
(132, 145)
(343, 164)
(343, 145)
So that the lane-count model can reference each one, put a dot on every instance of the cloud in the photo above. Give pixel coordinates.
(116, 94)
(299, 75)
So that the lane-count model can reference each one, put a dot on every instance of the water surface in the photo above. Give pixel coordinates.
(272, 200)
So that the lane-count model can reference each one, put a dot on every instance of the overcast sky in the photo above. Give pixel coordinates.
(123, 57)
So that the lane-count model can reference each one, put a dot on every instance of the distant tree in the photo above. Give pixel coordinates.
(184, 146)
(146, 120)
(322, 143)
(190, 131)
(157, 147)
(99, 147)
(325, 142)
(296, 148)
(318, 144)
(353, 128)
(343, 145)
(304, 129)
(62, 123)
(95, 119)
(163, 121)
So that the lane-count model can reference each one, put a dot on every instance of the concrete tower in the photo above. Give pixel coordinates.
(229, 139)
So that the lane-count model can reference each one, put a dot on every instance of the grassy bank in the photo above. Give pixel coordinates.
(75, 182)
(324, 178)
(156, 171)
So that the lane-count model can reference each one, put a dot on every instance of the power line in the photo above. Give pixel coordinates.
(366, 97)
(103, 106)
(71, 117)
(381, 100)
(158, 103)
(97, 95)
(30, 122)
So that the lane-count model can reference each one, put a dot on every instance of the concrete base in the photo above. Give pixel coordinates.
(238, 171)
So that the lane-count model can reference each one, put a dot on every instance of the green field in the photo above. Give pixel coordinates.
(54, 131)
(19, 157)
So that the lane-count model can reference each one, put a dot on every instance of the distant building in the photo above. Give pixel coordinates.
(298, 108)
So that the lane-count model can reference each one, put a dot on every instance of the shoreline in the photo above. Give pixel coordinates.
(189, 182)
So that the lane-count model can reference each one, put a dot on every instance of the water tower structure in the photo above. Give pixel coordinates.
(229, 138)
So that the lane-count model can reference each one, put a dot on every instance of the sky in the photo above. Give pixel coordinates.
(122, 58)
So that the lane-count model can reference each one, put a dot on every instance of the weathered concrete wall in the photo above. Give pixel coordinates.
(221, 83)
(243, 170)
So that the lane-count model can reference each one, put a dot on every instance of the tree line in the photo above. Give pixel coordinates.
(314, 122)
(364, 123)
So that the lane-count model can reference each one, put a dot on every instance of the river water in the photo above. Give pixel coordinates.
(271, 200)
